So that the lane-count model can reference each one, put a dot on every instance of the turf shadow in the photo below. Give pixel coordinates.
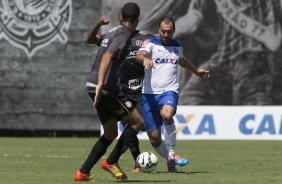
(139, 181)
(182, 172)
(147, 181)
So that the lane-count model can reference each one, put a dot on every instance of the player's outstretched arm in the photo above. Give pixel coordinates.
(142, 57)
(94, 37)
(184, 62)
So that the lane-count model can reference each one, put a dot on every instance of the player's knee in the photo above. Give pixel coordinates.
(167, 114)
(139, 125)
(167, 117)
(155, 141)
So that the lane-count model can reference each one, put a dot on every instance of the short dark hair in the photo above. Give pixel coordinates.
(130, 12)
(167, 20)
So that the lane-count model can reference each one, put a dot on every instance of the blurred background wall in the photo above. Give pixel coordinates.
(43, 91)
(44, 60)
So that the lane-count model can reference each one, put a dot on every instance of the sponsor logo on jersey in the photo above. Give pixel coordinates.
(132, 54)
(135, 84)
(104, 43)
(166, 61)
(33, 24)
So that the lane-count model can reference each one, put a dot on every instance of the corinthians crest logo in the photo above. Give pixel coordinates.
(33, 24)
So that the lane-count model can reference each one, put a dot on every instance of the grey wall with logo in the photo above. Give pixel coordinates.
(47, 91)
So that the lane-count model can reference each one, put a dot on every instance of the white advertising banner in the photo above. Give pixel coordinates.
(226, 123)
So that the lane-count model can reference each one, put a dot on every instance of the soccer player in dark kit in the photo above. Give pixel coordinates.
(118, 49)
(128, 90)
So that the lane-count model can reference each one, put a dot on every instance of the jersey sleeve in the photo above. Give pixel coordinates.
(147, 46)
(118, 42)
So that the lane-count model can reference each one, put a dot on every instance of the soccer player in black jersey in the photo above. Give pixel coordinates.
(113, 102)
(128, 90)
(108, 109)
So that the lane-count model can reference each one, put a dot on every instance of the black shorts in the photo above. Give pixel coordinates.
(116, 106)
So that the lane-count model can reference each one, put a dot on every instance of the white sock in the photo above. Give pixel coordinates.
(170, 134)
(162, 150)
(171, 153)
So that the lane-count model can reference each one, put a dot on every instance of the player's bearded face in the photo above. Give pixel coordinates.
(166, 32)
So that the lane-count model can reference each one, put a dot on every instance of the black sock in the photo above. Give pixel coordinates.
(126, 140)
(98, 150)
(134, 149)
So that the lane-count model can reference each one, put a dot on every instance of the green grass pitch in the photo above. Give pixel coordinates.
(54, 161)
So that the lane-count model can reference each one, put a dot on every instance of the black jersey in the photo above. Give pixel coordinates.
(114, 41)
(131, 73)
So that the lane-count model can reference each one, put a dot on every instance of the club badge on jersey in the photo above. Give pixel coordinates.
(135, 84)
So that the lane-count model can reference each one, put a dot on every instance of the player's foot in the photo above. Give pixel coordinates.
(171, 168)
(177, 160)
(83, 177)
(136, 170)
(114, 170)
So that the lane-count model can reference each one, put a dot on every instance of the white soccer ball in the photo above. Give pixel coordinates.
(147, 161)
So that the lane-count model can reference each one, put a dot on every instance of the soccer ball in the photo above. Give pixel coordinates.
(147, 162)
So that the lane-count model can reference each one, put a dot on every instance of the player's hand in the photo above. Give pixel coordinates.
(103, 21)
(203, 73)
(148, 63)
(97, 95)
